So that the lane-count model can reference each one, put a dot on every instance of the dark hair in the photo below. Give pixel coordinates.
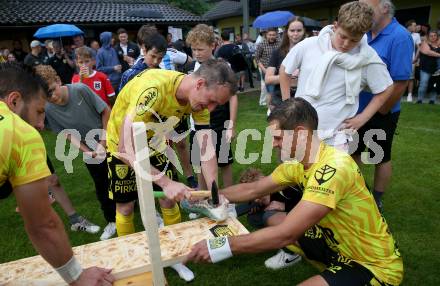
(285, 42)
(293, 112)
(272, 30)
(15, 78)
(225, 35)
(157, 41)
(144, 32)
(410, 22)
(217, 71)
(121, 31)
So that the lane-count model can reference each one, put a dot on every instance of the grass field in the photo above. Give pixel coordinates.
(411, 206)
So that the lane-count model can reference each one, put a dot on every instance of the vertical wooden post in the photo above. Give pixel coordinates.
(146, 200)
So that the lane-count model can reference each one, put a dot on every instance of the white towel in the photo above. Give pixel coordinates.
(351, 63)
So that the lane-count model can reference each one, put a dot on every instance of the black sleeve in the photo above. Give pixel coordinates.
(274, 59)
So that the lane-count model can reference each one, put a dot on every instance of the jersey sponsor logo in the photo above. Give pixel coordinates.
(221, 230)
(97, 85)
(146, 100)
(121, 171)
(324, 174)
(217, 242)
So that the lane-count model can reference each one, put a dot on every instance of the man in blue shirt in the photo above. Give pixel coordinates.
(394, 45)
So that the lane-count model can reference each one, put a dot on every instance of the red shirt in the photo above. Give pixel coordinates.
(99, 83)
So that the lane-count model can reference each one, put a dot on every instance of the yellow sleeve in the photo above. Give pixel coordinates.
(288, 173)
(201, 117)
(28, 156)
(327, 185)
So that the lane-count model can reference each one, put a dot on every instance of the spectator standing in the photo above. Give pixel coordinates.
(95, 80)
(11, 58)
(94, 44)
(61, 63)
(411, 27)
(262, 57)
(127, 51)
(48, 51)
(394, 45)
(107, 60)
(429, 55)
(78, 42)
(293, 34)
(231, 53)
(18, 51)
(75, 106)
(34, 57)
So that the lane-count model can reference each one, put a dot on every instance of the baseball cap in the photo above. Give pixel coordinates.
(36, 43)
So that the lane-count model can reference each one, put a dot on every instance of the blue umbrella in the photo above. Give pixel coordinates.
(58, 30)
(272, 19)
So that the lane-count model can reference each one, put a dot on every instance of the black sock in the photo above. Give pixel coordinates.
(377, 195)
(75, 218)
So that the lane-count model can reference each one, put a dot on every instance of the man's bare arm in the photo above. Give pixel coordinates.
(42, 224)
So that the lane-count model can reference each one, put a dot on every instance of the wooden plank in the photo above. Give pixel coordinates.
(146, 200)
(126, 255)
(143, 279)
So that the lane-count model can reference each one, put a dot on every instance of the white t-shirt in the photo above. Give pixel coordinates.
(417, 41)
(124, 48)
(331, 105)
(172, 58)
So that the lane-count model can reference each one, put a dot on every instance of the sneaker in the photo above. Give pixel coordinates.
(409, 98)
(85, 225)
(419, 102)
(431, 102)
(109, 231)
(282, 260)
(184, 272)
(437, 73)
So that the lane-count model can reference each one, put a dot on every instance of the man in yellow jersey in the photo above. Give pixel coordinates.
(156, 96)
(23, 171)
(336, 223)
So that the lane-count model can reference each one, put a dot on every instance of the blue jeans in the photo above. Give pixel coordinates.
(423, 86)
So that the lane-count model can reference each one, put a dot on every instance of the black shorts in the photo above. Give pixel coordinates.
(340, 270)
(122, 178)
(222, 149)
(387, 123)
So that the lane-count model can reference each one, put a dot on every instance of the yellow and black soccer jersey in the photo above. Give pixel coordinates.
(22, 151)
(149, 97)
(358, 229)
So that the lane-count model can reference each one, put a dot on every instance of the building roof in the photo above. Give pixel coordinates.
(225, 9)
(42, 12)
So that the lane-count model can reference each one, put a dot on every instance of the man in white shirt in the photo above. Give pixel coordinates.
(411, 27)
(334, 68)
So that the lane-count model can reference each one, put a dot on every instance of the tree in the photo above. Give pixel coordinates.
(197, 7)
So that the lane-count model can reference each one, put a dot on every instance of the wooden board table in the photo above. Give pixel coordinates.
(127, 255)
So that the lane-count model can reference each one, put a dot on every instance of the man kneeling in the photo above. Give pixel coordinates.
(336, 223)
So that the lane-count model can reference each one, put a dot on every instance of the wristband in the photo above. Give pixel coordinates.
(70, 271)
(219, 248)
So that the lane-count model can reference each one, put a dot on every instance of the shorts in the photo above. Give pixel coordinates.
(340, 270)
(413, 72)
(122, 178)
(387, 123)
(223, 150)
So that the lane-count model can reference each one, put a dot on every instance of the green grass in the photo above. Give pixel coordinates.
(411, 206)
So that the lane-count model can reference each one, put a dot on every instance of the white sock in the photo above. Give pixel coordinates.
(184, 272)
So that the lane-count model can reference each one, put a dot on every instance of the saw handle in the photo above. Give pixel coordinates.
(194, 194)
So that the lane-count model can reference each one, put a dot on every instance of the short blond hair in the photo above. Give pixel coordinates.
(47, 73)
(201, 33)
(355, 17)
